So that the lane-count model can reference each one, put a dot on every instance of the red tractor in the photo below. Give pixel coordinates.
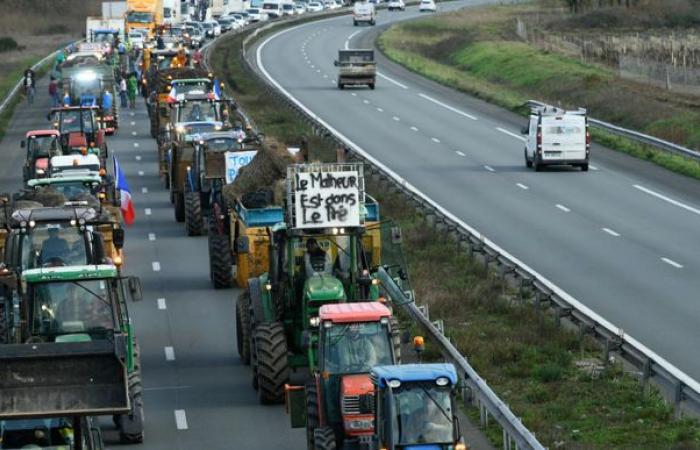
(41, 146)
(79, 129)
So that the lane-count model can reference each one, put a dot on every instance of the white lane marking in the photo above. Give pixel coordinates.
(133, 133)
(325, 76)
(133, 123)
(347, 41)
(366, 102)
(436, 140)
(667, 199)
(156, 266)
(138, 158)
(672, 263)
(391, 80)
(162, 304)
(611, 232)
(563, 208)
(169, 354)
(592, 167)
(396, 119)
(312, 66)
(354, 94)
(511, 134)
(318, 70)
(446, 106)
(151, 236)
(144, 190)
(380, 110)
(414, 128)
(489, 168)
(136, 144)
(522, 186)
(180, 419)
(147, 211)
(132, 114)
(140, 173)
(460, 153)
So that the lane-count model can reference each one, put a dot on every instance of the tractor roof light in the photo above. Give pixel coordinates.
(394, 384)
(460, 446)
(442, 381)
(32, 224)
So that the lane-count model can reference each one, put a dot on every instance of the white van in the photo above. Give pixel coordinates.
(273, 9)
(363, 12)
(557, 137)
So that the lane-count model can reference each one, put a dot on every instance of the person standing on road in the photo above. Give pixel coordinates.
(133, 87)
(122, 92)
(29, 83)
(53, 92)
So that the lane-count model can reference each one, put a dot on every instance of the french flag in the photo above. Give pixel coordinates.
(127, 206)
(217, 89)
(172, 97)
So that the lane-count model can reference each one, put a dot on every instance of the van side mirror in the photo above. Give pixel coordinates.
(135, 289)
(525, 130)
(118, 238)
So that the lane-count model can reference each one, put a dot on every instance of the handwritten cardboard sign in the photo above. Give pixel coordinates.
(236, 160)
(327, 199)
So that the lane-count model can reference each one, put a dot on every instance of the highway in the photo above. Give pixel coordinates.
(622, 238)
(197, 393)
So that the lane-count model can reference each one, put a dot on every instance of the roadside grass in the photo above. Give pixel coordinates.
(525, 357)
(477, 52)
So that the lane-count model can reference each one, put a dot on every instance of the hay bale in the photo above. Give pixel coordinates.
(263, 173)
(47, 197)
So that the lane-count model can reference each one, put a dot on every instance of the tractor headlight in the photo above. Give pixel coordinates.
(40, 171)
(315, 321)
(359, 424)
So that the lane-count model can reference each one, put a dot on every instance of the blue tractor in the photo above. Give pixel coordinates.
(416, 407)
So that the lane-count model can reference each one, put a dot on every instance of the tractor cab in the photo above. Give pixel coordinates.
(416, 407)
(79, 129)
(89, 188)
(195, 114)
(93, 86)
(169, 58)
(58, 236)
(64, 432)
(40, 145)
(72, 165)
(180, 88)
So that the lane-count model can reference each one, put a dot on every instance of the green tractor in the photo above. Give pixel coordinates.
(72, 350)
(309, 265)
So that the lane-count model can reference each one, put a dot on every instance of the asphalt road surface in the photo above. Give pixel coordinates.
(197, 393)
(622, 238)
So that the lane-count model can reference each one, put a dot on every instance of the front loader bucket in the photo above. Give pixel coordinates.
(58, 379)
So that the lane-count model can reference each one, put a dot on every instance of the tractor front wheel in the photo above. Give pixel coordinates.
(194, 222)
(324, 439)
(243, 327)
(311, 413)
(220, 261)
(272, 365)
(179, 206)
(131, 424)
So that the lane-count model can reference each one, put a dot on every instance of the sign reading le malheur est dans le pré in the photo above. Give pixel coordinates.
(327, 199)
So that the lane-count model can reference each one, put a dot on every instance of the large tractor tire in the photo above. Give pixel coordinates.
(194, 222)
(396, 338)
(324, 439)
(131, 424)
(256, 305)
(220, 271)
(311, 413)
(179, 207)
(272, 366)
(243, 327)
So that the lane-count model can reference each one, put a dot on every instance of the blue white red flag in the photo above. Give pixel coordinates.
(217, 89)
(122, 187)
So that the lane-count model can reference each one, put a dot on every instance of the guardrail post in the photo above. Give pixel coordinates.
(506, 440)
(678, 399)
(646, 375)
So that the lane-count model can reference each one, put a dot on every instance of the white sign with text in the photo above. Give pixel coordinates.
(327, 199)
(236, 160)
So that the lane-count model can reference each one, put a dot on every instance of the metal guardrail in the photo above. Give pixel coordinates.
(16, 89)
(637, 136)
(684, 390)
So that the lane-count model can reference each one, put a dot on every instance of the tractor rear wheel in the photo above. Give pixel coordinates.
(179, 207)
(324, 439)
(220, 270)
(243, 327)
(194, 222)
(272, 365)
(311, 413)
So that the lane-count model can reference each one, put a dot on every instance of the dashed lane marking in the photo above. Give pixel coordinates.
(446, 106)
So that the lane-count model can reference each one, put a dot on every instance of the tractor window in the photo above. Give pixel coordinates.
(139, 17)
(198, 112)
(70, 121)
(222, 144)
(52, 246)
(357, 347)
(56, 433)
(43, 146)
(423, 414)
(75, 191)
(71, 307)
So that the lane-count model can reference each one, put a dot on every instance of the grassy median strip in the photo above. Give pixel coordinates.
(478, 52)
(549, 376)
